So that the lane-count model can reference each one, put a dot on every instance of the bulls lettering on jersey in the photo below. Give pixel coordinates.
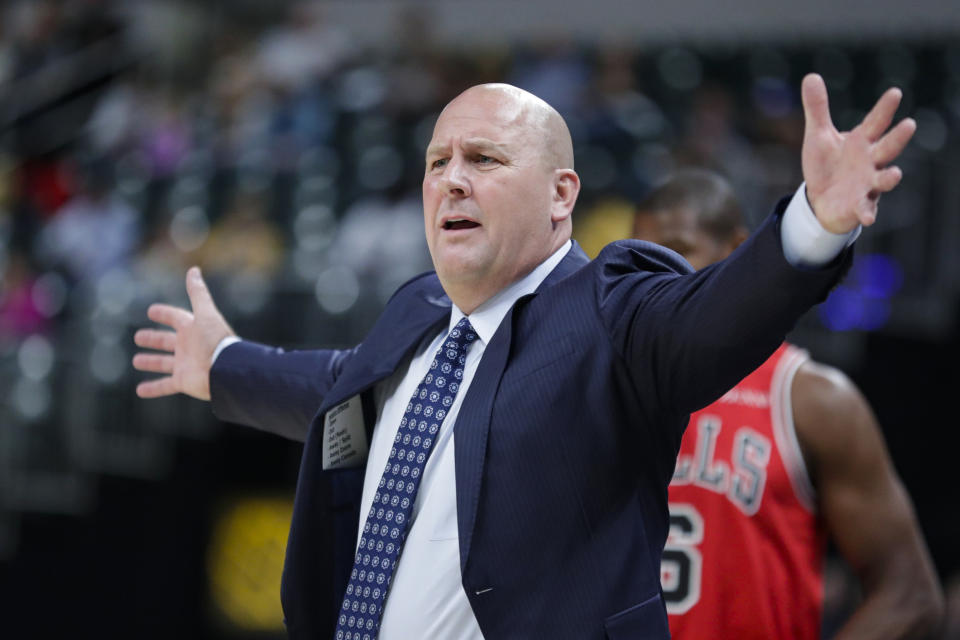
(745, 551)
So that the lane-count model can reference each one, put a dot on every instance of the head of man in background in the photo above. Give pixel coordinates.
(696, 214)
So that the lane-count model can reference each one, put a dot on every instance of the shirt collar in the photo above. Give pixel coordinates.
(487, 317)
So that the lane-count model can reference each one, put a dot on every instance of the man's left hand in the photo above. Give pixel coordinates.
(847, 171)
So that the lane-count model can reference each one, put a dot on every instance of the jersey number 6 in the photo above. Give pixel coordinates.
(681, 562)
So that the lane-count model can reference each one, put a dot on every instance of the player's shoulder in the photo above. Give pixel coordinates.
(830, 413)
(822, 387)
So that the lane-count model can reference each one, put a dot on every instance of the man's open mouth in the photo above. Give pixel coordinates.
(458, 223)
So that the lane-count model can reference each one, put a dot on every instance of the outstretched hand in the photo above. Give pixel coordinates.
(187, 350)
(847, 171)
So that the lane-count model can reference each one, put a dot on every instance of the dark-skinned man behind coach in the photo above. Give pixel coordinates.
(789, 456)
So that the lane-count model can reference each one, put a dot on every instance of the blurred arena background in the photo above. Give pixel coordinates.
(279, 146)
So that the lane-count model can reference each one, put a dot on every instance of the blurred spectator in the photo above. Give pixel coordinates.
(6, 190)
(619, 118)
(165, 132)
(113, 121)
(778, 129)
(242, 253)
(618, 106)
(35, 35)
(381, 240)
(243, 242)
(21, 313)
(240, 103)
(43, 186)
(303, 50)
(415, 73)
(93, 232)
(712, 139)
(159, 264)
(293, 61)
(6, 56)
(555, 71)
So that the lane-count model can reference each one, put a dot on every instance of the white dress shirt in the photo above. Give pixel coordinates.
(426, 598)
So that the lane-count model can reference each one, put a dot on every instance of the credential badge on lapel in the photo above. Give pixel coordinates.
(344, 438)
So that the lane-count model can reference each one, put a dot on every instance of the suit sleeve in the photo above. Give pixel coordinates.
(271, 389)
(691, 336)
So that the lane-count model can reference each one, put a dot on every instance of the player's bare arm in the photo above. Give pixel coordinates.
(182, 353)
(866, 508)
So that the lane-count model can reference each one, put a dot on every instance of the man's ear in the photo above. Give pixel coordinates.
(566, 188)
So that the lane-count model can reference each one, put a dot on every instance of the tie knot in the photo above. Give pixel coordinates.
(461, 336)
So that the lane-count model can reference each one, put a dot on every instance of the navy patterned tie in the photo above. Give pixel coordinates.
(386, 526)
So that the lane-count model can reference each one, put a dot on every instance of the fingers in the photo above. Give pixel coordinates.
(171, 316)
(816, 106)
(889, 146)
(154, 339)
(887, 179)
(153, 362)
(200, 298)
(156, 388)
(867, 213)
(881, 115)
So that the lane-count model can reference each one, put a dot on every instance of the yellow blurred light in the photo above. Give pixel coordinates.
(608, 220)
(245, 561)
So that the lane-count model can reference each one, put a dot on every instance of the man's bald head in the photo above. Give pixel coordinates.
(544, 125)
(498, 190)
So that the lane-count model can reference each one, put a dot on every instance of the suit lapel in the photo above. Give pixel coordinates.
(393, 337)
(472, 428)
(473, 421)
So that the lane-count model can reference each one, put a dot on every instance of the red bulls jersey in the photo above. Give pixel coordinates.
(745, 552)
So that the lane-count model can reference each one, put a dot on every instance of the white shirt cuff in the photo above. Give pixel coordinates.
(805, 242)
(226, 342)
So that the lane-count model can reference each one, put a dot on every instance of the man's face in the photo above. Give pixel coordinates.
(679, 229)
(487, 193)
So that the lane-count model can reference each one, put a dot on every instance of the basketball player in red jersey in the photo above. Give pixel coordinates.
(789, 456)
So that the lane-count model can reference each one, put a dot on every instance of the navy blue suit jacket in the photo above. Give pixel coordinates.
(566, 440)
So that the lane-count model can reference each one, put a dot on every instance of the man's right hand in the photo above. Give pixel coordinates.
(187, 351)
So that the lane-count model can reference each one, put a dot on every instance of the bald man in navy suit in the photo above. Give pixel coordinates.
(541, 512)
